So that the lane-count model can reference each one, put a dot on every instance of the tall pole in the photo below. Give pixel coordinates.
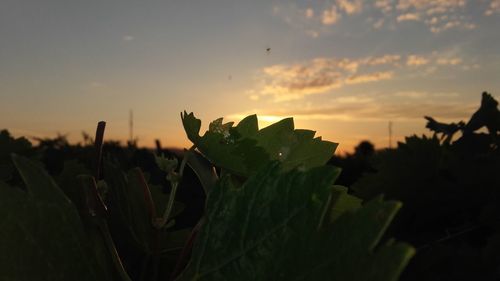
(131, 126)
(390, 134)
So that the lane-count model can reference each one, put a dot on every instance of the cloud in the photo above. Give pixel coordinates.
(408, 17)
(330, 16)
(431, 6)
(372, 77)
(384, 5)
(309, 13)
(414, 60)
(312, 21)
(493, 8)
(350, 7)
(411, 94)
(449, 61)
(437, 15)
(386, 59)
(296, 17)
(288, 82)
(316, 18)
(284, 82)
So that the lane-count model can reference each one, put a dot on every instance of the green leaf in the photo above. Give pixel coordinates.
(141, 220)
(242, 150)
(69, 183)
(267, 230)
(275, 137)
(342, 202)
(42, 236)
(8, 145)
(191, 125)
(203, 169)
(249, 126)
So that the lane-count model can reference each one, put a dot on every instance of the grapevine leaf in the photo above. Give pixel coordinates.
(69, 183)
(42, 236)
(121, 209)
(8, 145)
(244, 149)
(275, 137)
(267, 230)
(203, 169)
(341, 202)
(249, 126)
(141, 219)
(191, 125)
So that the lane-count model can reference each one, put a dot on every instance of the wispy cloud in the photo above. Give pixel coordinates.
(408, 17)
(320, 75)
(437, 15)
(309, 13)
(399, 106)
(493, 8)
(415, 60)
(330, 16)
(284, 82)
(317, 18)
(350, 6)
(386, 6)
(371, 77)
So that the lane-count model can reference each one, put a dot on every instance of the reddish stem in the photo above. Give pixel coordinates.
(99, 139)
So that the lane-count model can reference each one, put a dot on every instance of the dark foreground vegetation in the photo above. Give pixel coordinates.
(276, 209)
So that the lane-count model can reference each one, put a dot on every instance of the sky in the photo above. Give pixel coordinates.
(344, 68)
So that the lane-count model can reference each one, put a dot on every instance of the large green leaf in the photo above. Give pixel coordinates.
(41, 234)
(203, 169)
(69, 183)
(268, 230)
(340, 202)
(8, 145)
(244, 149)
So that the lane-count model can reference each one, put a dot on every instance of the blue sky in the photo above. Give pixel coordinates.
(344, 68)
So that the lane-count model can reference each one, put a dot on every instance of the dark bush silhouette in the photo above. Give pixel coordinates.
(451, 196)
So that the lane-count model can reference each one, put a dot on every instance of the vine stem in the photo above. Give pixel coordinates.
(175, 184)
(103, 227)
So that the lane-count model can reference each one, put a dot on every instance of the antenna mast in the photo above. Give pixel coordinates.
(131, 126)
(390, 134)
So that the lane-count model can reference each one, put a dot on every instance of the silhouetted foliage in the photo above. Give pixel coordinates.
(451, 196)
(356, 164)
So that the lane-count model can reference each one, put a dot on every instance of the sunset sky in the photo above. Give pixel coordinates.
(344, 68)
